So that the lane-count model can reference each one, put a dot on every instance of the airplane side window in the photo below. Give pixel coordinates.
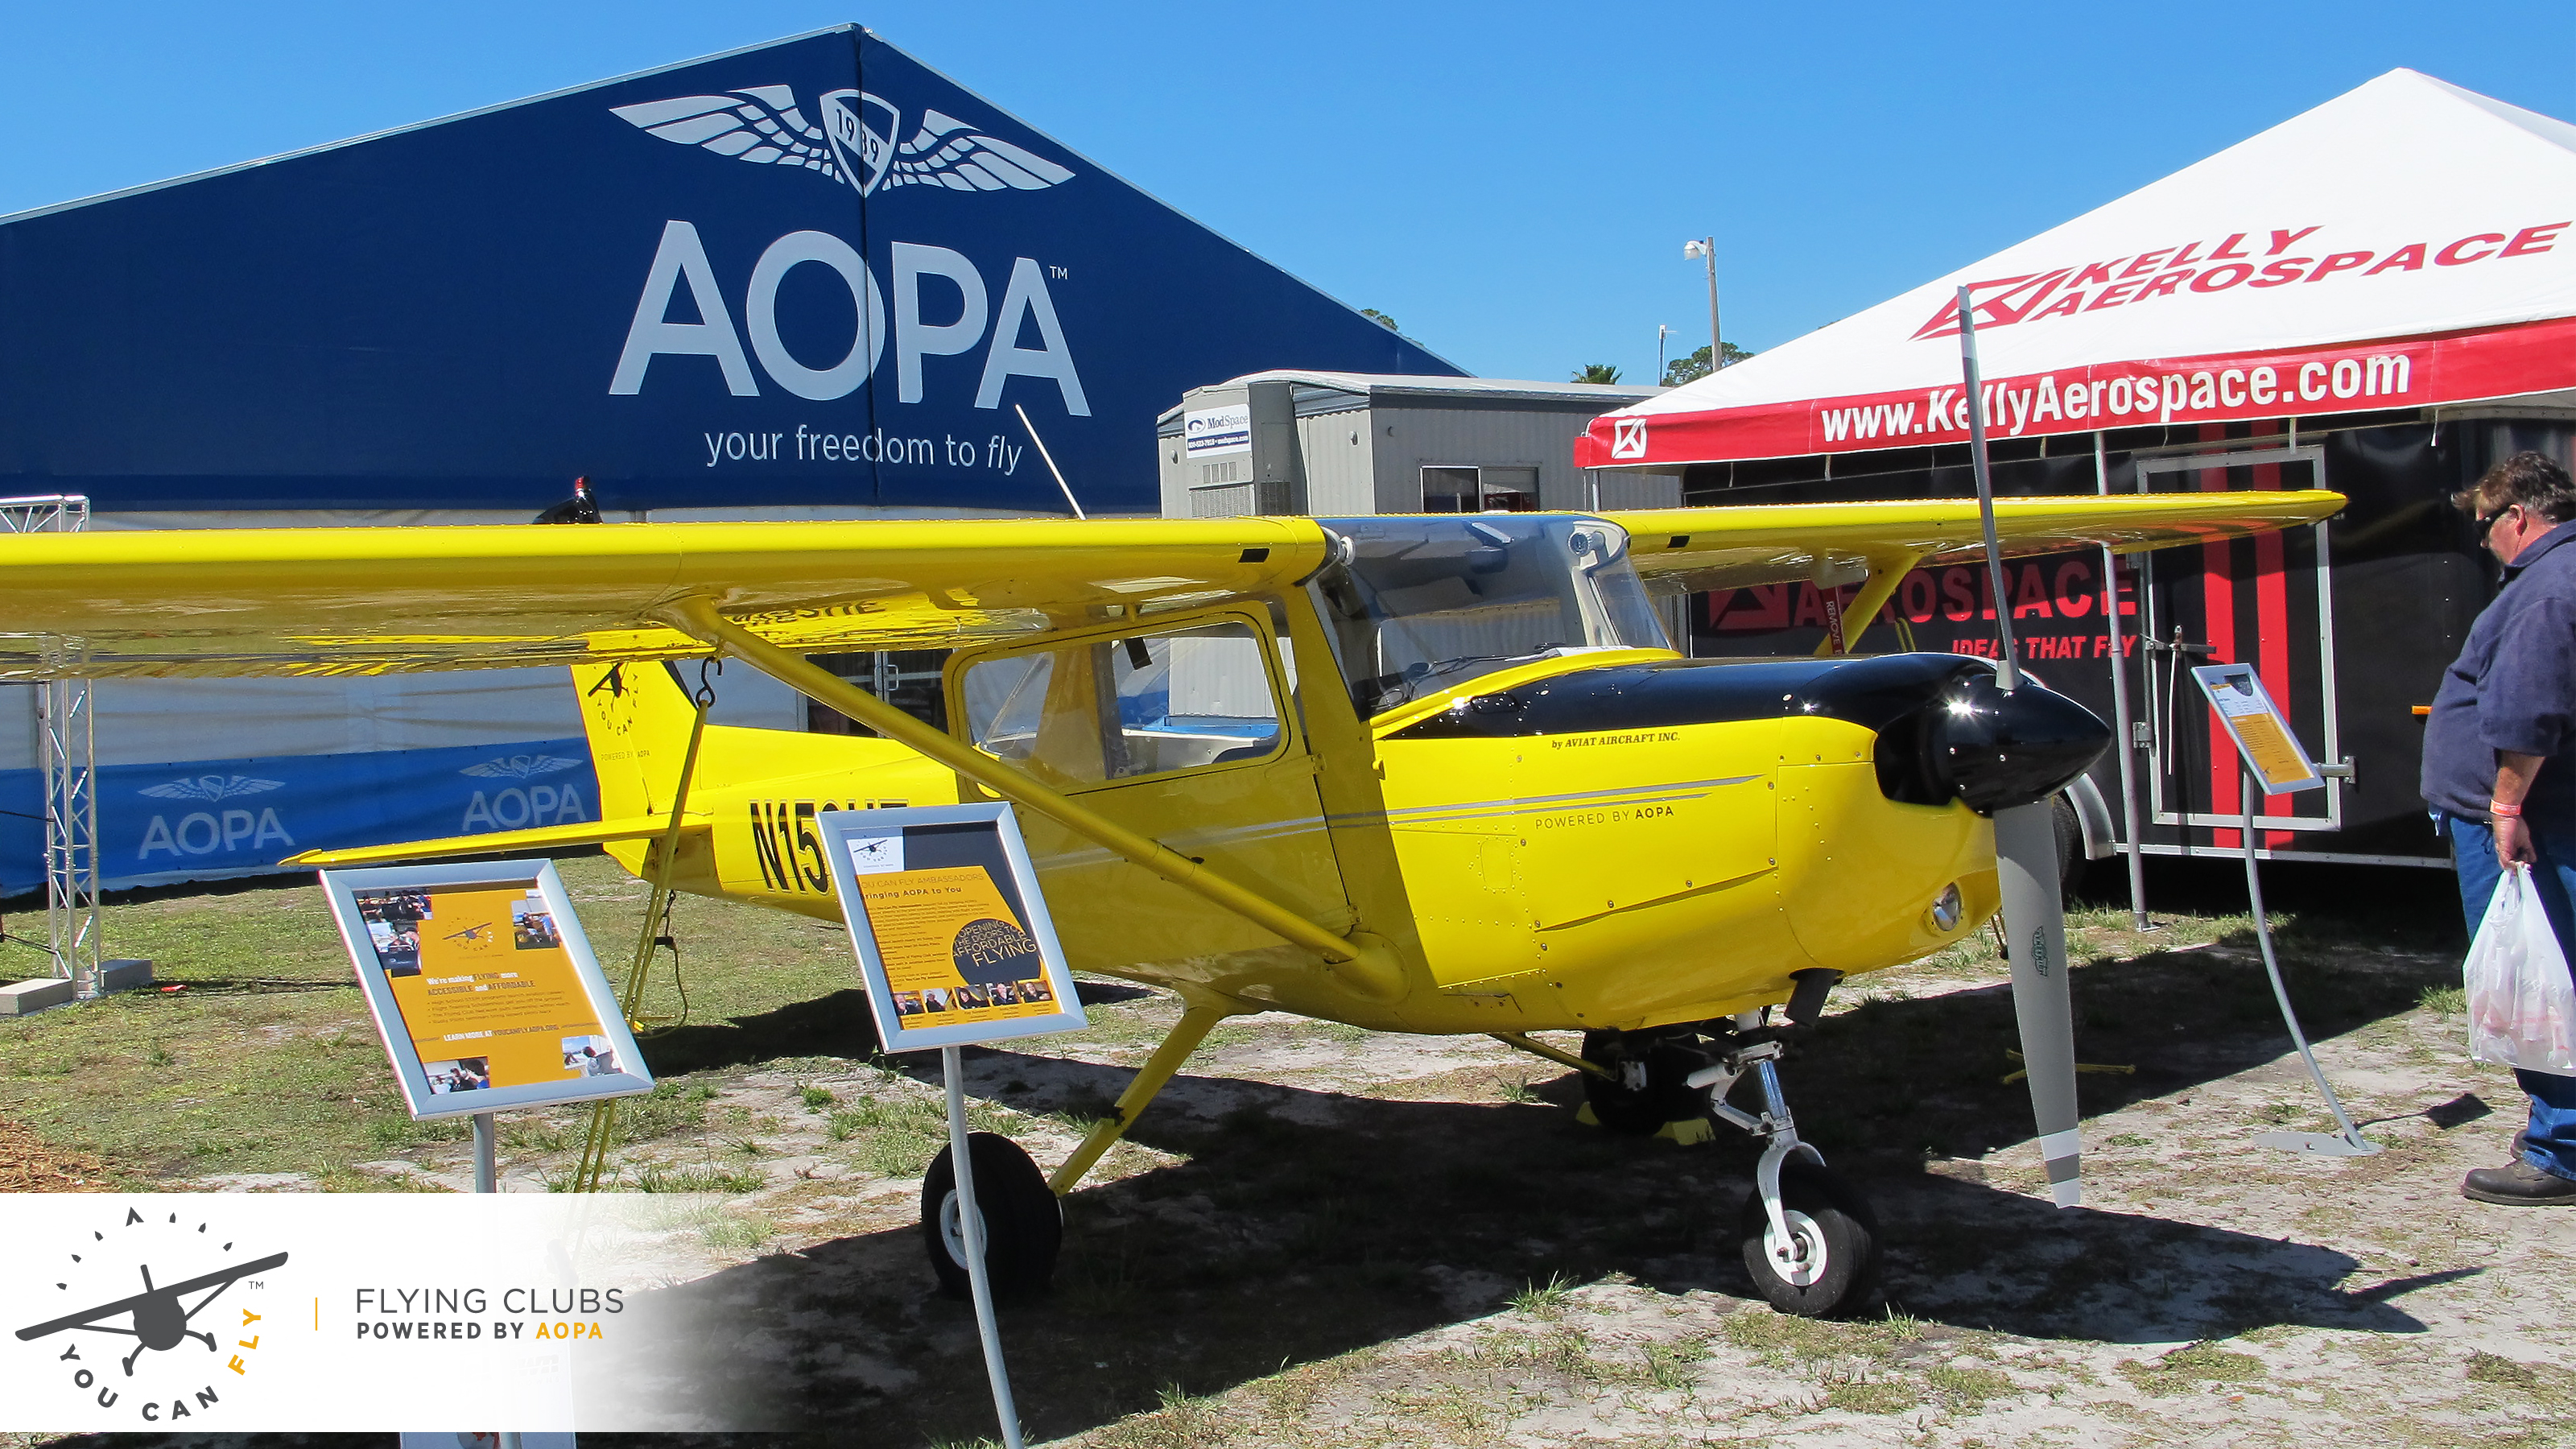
(1144, 705)
(1190, 698)
(1040, 711)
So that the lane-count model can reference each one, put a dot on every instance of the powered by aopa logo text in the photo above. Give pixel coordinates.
(159, 1317)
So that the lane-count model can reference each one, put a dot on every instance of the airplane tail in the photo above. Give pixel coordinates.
(638, 717)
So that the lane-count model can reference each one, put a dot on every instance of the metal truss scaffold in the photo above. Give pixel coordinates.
(66, 739)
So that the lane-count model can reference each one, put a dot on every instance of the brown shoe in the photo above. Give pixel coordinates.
(2518, 1185)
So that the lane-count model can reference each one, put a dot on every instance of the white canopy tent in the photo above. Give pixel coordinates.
(2405, 245)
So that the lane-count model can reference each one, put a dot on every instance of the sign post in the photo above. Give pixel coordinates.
(955, 946)
(2273, 760)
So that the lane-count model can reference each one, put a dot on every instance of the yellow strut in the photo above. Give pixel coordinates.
(1885, 573)
(1538, 1048)
(1195, 1023)
(603, 1113)
(700, 619)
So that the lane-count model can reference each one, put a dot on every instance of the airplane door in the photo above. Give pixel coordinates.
(2267, 601)
(1178, 730)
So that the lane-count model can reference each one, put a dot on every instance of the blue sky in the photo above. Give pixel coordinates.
(1513, 182)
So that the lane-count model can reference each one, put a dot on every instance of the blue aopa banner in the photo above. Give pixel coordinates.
(178, 821)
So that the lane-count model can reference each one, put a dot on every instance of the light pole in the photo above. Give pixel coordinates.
(1706, 248)
(1661, 332)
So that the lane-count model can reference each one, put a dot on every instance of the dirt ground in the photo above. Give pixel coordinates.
(1323, 1237)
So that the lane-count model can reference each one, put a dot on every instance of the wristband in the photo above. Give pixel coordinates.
(2503, 811)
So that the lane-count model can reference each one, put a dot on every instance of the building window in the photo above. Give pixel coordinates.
(1479, 490)
(907, 678)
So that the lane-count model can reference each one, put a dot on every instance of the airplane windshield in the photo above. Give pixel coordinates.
(1419, 604)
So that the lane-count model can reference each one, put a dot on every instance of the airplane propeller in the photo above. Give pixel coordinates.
(2035, 924)
(2026, 863)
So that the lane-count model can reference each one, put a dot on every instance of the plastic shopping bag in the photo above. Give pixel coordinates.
(2522, 1004)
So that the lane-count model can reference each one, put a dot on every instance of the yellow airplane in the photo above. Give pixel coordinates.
(1433, 774)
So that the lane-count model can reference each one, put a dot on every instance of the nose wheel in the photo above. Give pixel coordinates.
(1810, 1240)
(1823, 1257)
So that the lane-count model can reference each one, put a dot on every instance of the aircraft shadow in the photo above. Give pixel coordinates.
(835, 1025)
(1302, 1224)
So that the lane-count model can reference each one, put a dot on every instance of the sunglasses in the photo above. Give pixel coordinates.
(2487, 521)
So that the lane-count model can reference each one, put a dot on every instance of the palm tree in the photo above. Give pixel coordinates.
(1600, 372)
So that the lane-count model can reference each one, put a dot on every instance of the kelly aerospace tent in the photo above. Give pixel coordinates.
(2405, 245)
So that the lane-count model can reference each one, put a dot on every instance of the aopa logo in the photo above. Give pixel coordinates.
(213, 831)
(164, 1319)
(856, 142)
(525, 804)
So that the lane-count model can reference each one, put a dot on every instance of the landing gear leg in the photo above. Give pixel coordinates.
(1195, 1023)
(1022, 1210)
(1810, 1240)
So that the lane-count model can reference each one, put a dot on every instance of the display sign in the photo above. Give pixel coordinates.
(483, 987)
(2262, 733)
(953, 937)
(1217, 432)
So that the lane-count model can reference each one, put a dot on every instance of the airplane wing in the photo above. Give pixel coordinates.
(379, 600)
(1688, 550)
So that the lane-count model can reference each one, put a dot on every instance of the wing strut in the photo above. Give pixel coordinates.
(1368, 969)
(1886, 571)
(1197, 1018)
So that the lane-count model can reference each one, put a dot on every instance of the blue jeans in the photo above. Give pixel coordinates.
(2550, 1140)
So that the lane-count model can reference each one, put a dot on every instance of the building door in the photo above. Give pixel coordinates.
(2267, 601)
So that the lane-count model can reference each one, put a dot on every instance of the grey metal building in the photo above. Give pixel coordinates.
(1291, 442)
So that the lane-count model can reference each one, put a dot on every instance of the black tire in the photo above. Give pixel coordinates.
(2070, 845)
(1023, 1223)
(1820, 1203)
(1664, 1098)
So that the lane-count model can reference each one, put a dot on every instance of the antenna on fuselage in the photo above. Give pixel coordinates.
(1050, 460)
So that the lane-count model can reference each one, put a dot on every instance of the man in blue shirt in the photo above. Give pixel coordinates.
(2500, 766)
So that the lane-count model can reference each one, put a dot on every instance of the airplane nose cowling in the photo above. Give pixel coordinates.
(1973, 742)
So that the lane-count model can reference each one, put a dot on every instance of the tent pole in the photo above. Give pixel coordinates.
(2120, 708)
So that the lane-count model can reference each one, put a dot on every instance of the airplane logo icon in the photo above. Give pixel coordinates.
(158, 1315)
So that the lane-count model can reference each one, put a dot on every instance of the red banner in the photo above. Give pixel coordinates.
(2408, 372)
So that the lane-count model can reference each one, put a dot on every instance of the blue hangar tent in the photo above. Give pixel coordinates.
(811, 279)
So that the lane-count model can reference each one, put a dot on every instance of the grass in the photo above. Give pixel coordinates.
(2444, 1000)
(1283, 1262)
(2191, 1366)
(739, 1234)
(1544, 1302)
(1962, 1388)
(253, 1068)
(656, 1177)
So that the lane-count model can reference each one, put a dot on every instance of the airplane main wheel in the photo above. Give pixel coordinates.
(2070, 844)
(1665, 1097)
(1830, 1262)
(1023, 1223)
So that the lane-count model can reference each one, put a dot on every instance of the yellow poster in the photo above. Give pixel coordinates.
(488, 994)
(2261, 735)
(955, 952)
